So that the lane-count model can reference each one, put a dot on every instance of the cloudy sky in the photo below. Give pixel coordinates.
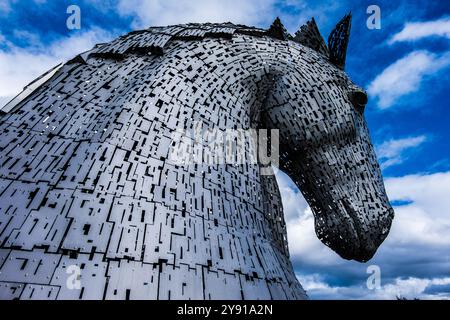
(405, 67)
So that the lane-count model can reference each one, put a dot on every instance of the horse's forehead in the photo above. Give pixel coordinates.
(320, 69)
(322, 78)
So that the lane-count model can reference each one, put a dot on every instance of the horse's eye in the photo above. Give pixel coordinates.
(358, 98)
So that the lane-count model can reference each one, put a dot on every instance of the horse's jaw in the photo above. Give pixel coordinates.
(351, 225)
(352, 235)
(352, 213)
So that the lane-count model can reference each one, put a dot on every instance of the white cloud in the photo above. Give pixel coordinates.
(413, 259)
(428, 191)
(418, 30)
(293, 202)
(261, 13)
(32, 39)
(409, 288)
(315, 282)
(5, 6)
(165, 12)
(392, 152)
(19, 66)
(426, 220)
(405, 76)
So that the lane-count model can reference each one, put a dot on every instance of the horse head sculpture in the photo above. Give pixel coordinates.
(326, 147)
(88, 186)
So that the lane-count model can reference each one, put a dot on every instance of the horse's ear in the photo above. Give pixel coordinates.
(278, 31)
(309, 36)
(338, 41)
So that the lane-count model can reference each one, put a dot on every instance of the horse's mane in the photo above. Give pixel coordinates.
(153, 40)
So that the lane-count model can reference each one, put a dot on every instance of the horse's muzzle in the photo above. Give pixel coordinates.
(357, 237)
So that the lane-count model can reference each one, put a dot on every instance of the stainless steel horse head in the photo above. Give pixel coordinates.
(325, 144)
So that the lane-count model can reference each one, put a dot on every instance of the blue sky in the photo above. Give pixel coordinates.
(405, 68)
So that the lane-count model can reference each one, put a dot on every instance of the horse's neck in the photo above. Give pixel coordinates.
(233, 195)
